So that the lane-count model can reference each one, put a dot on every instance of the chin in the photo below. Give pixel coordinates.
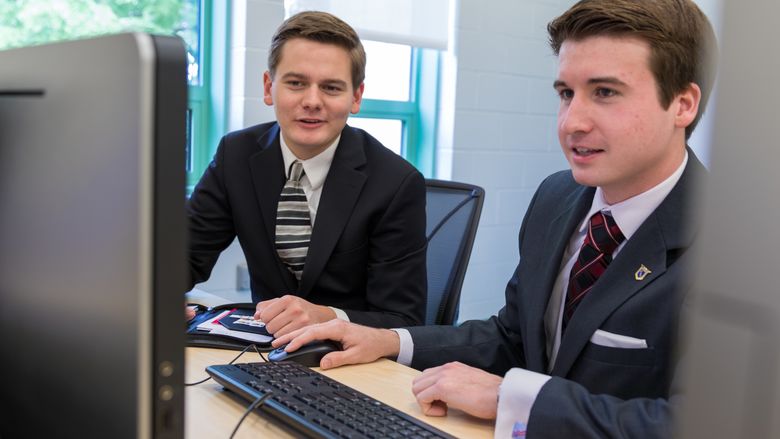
(584, 179)
(308, 141)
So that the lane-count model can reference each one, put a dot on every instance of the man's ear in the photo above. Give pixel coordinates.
(267, 83)
(687, 103)
(357, 98)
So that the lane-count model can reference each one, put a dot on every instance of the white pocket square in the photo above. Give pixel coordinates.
(610, 340)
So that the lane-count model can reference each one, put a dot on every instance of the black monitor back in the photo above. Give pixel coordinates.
(92, 238)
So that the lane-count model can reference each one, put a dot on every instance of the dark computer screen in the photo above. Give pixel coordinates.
(92, 238)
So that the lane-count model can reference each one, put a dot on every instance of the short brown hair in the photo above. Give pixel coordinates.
(322, 28)
(681, 39)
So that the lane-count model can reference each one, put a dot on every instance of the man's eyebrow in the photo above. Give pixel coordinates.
(293, 75)
(606, 80)
(598, 80)
(338, 82)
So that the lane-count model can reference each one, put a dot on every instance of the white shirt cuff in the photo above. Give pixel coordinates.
(340, 314)
(406, 349)
(516, 396)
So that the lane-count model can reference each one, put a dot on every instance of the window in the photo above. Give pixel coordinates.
(402, 81)
(30, 22)
(207, 114)
(399, 102)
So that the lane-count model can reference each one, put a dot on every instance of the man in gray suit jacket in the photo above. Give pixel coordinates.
(584, 345)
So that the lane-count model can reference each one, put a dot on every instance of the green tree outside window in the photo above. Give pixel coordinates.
(30, 22)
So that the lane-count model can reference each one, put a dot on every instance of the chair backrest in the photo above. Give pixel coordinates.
(453, 211)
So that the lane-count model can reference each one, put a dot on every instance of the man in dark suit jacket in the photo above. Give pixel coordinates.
(584, 345)
(365, 259)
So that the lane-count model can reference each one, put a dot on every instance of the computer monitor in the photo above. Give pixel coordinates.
(92, 238)
(732, 375)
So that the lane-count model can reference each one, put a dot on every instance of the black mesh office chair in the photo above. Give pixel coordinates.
(453, 211)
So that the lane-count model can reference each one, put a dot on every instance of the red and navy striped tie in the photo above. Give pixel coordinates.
(603, 237)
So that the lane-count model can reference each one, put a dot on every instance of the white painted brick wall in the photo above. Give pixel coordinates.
(253, 23)
(504, 130)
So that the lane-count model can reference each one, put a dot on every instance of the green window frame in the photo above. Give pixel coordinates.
(207, 108)
(419, 114)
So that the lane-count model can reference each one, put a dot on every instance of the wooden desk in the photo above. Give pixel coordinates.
(212, 412)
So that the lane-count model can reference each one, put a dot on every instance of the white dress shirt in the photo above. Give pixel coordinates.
(315, 171)
(520, 387)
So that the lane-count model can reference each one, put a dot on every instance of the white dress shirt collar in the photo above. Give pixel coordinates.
(315, 168)
(631, 213)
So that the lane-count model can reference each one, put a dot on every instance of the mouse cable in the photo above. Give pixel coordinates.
(257, 403)
(231, 362)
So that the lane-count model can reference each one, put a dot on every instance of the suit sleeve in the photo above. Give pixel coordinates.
(564, 408)
(490, 345)
(397, 277)
(211, 226)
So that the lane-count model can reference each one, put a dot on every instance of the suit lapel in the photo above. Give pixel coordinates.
(660, 234)
(340, 192)
(614, 287)
(267, 167)
(558, 234)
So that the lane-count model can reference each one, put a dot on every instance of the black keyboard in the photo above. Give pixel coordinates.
(316, 405)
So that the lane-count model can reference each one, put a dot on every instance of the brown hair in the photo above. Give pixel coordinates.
(322, 28)
(681, 39)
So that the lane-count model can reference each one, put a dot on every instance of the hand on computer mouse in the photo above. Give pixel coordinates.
(308, 355)
(360, 344)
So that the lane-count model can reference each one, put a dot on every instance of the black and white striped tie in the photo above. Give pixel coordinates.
(293, 222)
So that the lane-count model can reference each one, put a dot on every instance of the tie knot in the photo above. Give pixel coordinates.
(604, 233)
(296, 171)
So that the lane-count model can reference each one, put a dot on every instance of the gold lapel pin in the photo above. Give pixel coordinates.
(642, 272)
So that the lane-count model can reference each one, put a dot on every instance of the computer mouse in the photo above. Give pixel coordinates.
(308, 355)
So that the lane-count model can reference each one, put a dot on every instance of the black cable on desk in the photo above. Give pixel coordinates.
(231, 362)
(257, 403)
